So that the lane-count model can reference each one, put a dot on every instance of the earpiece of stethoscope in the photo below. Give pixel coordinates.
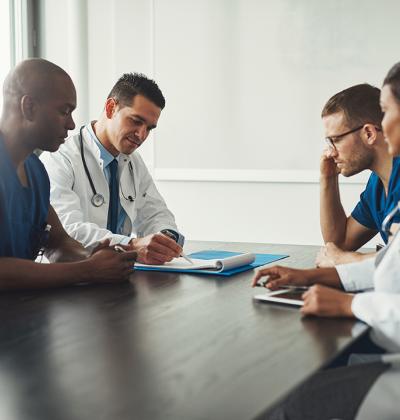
(130, 198)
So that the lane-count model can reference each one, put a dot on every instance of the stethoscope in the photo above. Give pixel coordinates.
(98, 199)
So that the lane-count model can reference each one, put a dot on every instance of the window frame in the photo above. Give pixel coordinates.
(23, 28)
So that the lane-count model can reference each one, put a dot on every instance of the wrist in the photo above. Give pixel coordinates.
(326, 180)
(346, 305)
(310, 276)
(69, 273)
(82, 271)
(132, 243)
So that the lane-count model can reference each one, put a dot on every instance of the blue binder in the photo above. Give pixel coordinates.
(261, 259)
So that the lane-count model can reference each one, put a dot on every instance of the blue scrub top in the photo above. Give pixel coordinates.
(23, 210)
(374, 205)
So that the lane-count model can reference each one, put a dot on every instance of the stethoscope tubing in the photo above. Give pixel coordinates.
(98, 199)
(84, 163)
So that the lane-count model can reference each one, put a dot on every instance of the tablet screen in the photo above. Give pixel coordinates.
(283, 296)
(291, 294)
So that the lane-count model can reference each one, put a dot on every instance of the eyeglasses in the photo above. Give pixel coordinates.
(388, 220)
(330, 141)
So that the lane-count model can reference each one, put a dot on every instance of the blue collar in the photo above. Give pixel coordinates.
(105, 155)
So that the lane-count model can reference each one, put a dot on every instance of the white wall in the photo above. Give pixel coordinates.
(236, 151)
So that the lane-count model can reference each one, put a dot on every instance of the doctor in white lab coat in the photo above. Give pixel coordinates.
(81, 187)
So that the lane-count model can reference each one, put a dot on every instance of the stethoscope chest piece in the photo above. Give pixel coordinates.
(97, 200)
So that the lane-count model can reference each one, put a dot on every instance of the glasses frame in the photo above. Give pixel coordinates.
(330, 139)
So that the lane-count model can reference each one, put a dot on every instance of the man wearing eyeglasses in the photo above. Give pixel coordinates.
(352, 121)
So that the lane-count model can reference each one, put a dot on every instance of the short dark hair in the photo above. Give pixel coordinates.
(359, 103)
(393, 80)
(131, 84)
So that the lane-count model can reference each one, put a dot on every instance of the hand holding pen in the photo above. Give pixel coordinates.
(157, 248)
(166, 232)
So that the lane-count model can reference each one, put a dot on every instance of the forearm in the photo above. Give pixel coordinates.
(18, 273)
(154, 215)
(68, 250)
(324, 276)
(348, 257)
(152, 220)
(357, 275)
(333, 218)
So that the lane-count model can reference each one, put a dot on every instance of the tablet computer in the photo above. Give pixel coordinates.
(283, 296)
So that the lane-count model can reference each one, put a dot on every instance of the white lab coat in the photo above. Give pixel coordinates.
(379, 307)
(71, 194)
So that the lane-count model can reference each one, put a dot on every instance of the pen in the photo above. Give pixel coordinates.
(183, 255)
(119, 248)
(166, 232)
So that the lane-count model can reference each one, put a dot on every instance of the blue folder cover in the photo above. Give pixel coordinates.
(261, 259)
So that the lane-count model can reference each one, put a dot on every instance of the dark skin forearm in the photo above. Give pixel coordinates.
(16, 273)
(103, 266)
(68, 250)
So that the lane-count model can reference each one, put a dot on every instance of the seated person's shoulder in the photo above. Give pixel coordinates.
(33, 162)
(37, 171)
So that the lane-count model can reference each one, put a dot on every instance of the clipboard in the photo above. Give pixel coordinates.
(259, 260)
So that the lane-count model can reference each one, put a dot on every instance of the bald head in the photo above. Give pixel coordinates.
(38, 100)
(35, 77)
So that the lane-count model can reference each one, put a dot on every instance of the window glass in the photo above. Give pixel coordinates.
(5, 43)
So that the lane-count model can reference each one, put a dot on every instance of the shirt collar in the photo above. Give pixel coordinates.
(105, 155)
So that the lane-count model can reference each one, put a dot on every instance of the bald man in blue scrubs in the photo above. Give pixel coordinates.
(39, 98)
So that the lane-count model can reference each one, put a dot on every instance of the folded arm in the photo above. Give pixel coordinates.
(73, 264)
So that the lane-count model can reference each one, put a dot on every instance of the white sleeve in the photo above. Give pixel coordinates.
(358, 275)
(386, 278)
(67, 203)
(382, 312)
(154, 214)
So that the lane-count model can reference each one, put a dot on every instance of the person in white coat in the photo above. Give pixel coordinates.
(369, 390)
(100, 186)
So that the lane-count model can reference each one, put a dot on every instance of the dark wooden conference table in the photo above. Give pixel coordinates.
(163, 346)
